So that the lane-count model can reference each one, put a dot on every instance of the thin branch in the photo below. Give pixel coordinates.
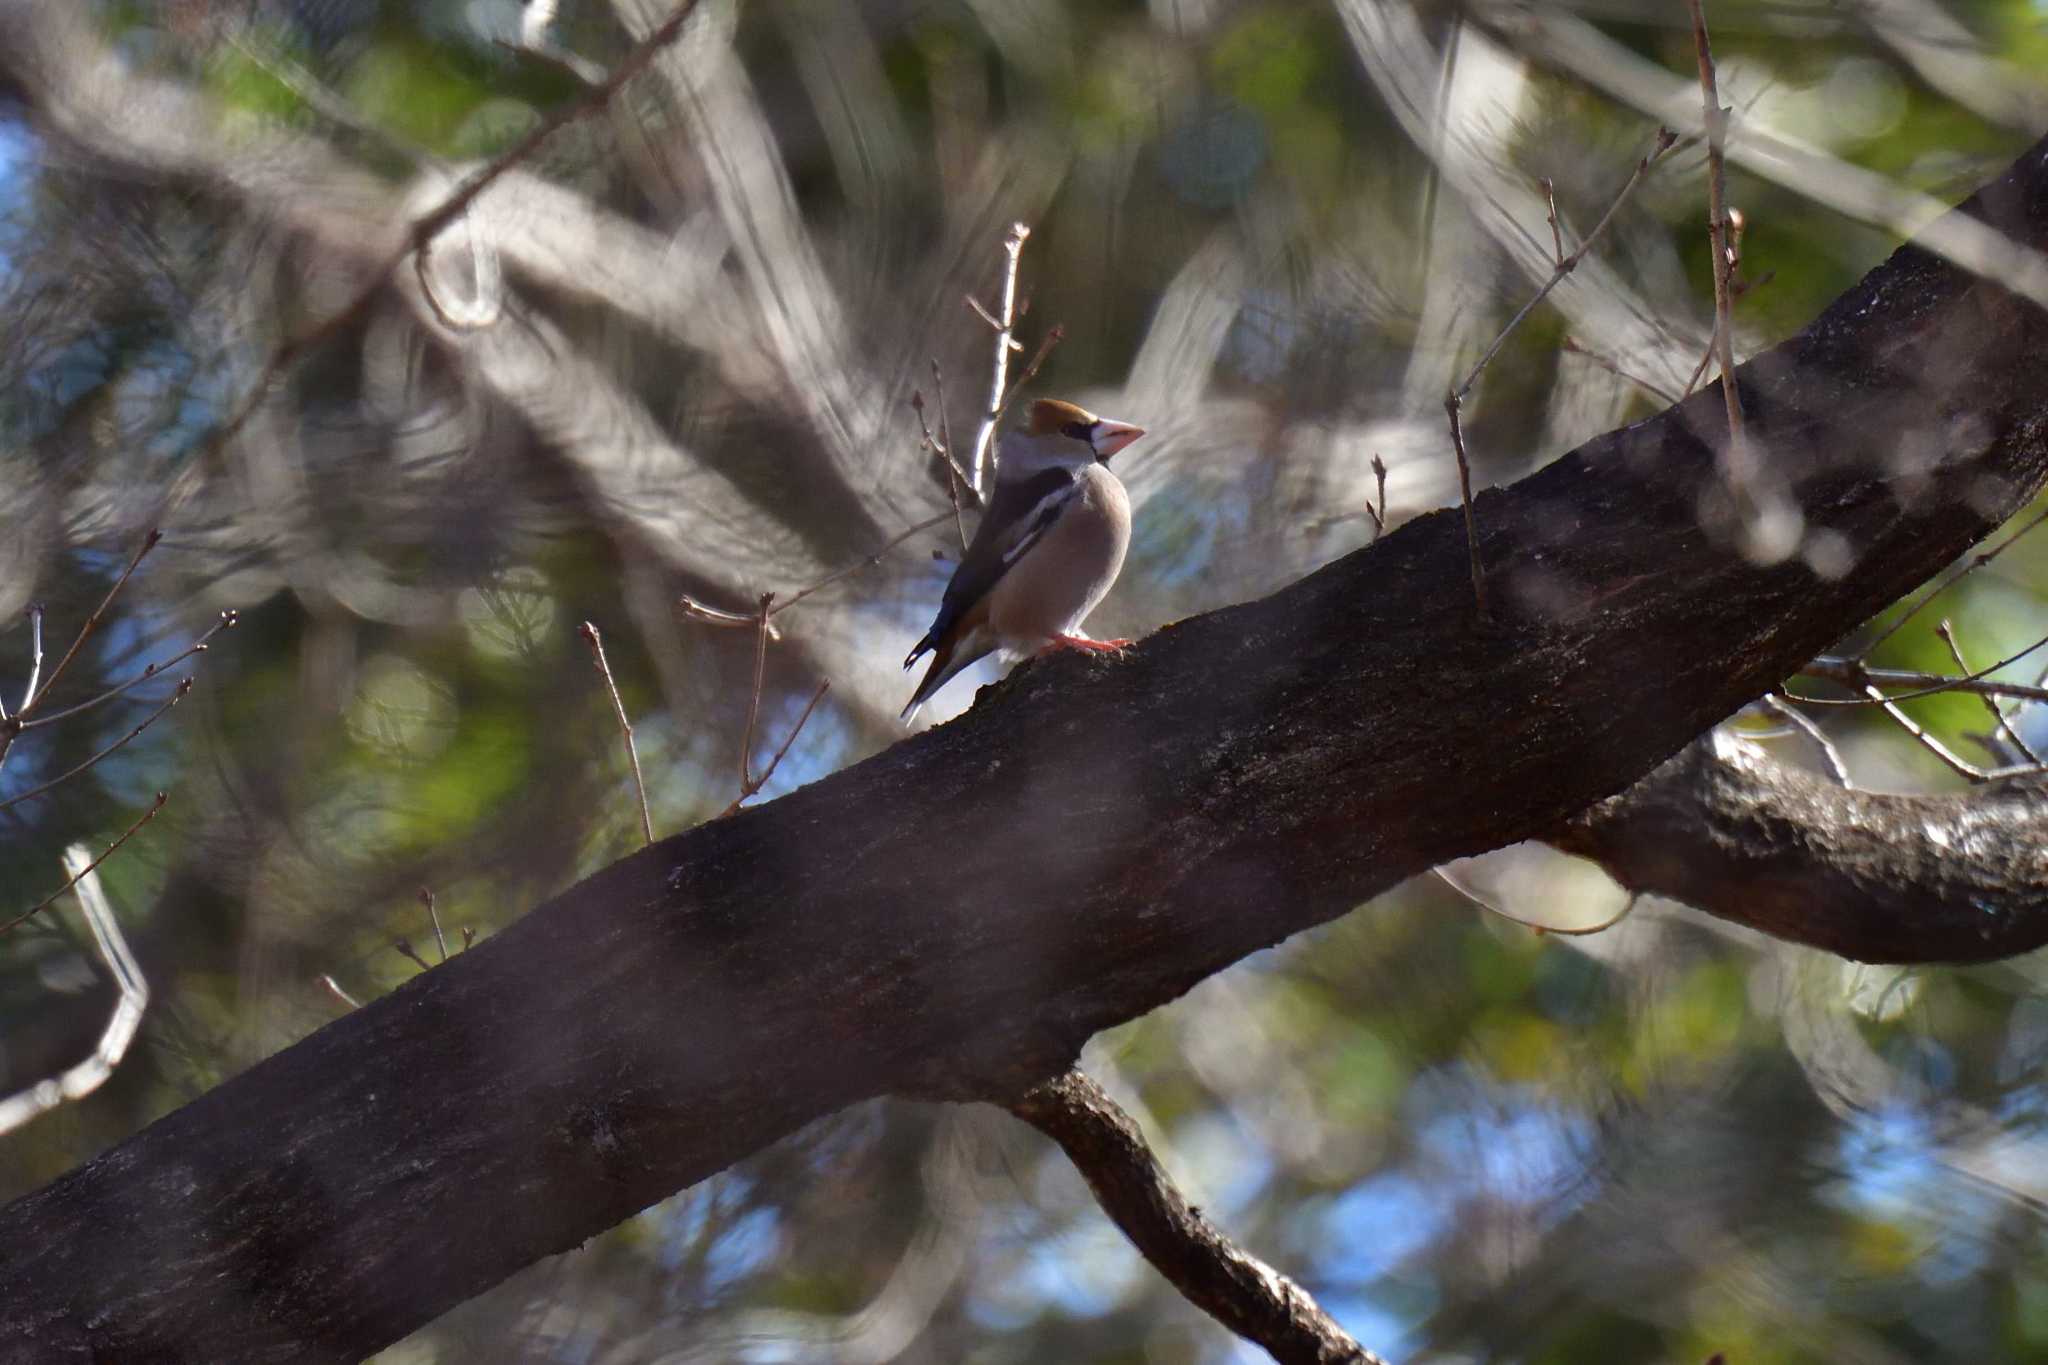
(35, 698)
(1451, 406)
(596, 642)
(1225, 1281)
(1378, 510)
(1954, 762)
(747, 784)
(434, 916)
(35, 653)
(403, 947)
(1852, 673)
(866, 563)
(184, 686)
(982, 464)
(1739, 455)
(1998, 716)
(1950, 579)
(930, 443)
(90, 1074)
(754, 784)
(1454, 400)
(228, 620)
(1830, 756)
(1471, 893)
(1663, 395)
(1052, 338)
(45, 902)
(719, 616)
(334, 989)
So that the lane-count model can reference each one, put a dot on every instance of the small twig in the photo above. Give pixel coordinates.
(184, 686)
(405, 949)
(596, 642)
(1934, 746)
(931, 444)
(754, 785)
(35, 696)
(1378, 512)
(1718, 236)
(468, 937)
(1550, 211)
(1465, 495)
(334, 989)
(46, 901)
(982, 464)
(865, 563)
(35, 653)
(718, 616)
(1830, 756)
(1975, 562)
(86, 1077)
(747, 785)
(434, 916)
(1649, 386)
(1052, 338)
(1471, 894)
(228, 620)
(1998, 716)
(1852, 673)
(1454, 400)
(1221, 1278)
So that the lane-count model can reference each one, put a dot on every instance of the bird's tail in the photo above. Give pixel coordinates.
(949, 658)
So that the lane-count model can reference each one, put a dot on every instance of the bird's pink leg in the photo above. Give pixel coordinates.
(1082, 642)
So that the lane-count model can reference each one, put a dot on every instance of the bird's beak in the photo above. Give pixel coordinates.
(1109, 437)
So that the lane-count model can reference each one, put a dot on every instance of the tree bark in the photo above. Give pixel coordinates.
(955, 916)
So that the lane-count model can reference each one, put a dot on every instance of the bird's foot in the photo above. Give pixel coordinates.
(1082, 642)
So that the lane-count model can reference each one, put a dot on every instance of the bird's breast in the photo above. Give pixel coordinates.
(1058, 581)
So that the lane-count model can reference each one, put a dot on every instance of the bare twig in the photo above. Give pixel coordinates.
(1718, 235)
(1377, 510)
(596, 642)
(36, 695)
(405, 949)
(1954, 576)
(334, 989)
(1052, 338)
(1451, 406)
(228, 621)
(1998, 716)
(747, 784)
(944, 453)
(35, 653)
(1853, 673)
(718, 616)
(468, 937)
(754, 784)
(1948, 757)
(434, 916)
(982, 465)
(1454, 401)
(90, 1074)
(184, 686)
(1572, 346)
(1471, 893)
(866, 562)
(43, 904)
(1215, 1274)
(1830, 756)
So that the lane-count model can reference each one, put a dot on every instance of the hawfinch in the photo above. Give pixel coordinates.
(1046, 551)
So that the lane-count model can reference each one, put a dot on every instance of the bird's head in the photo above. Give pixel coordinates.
(1057, 434)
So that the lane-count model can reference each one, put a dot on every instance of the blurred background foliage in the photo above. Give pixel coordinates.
(1275, 232)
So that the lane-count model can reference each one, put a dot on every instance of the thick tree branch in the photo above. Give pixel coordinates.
(1728, 830)
(955, 916)
(1219, 1277)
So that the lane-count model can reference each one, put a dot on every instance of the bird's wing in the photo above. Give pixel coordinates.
(1018, 514)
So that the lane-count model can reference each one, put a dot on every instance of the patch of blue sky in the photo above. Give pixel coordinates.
(1507, 1143)
(1370, 1230)
(17, 173)
(749, 1244)
(1889, 1168)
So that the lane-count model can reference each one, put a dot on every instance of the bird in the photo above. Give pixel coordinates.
(1048, 548)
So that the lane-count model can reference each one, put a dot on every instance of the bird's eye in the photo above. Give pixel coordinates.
(1080, 431)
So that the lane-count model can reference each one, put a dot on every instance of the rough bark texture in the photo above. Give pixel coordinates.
(1870, 876)
(1215, 1274)
(955, 916)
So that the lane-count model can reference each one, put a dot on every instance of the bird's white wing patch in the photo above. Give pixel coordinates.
(1038, 520)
